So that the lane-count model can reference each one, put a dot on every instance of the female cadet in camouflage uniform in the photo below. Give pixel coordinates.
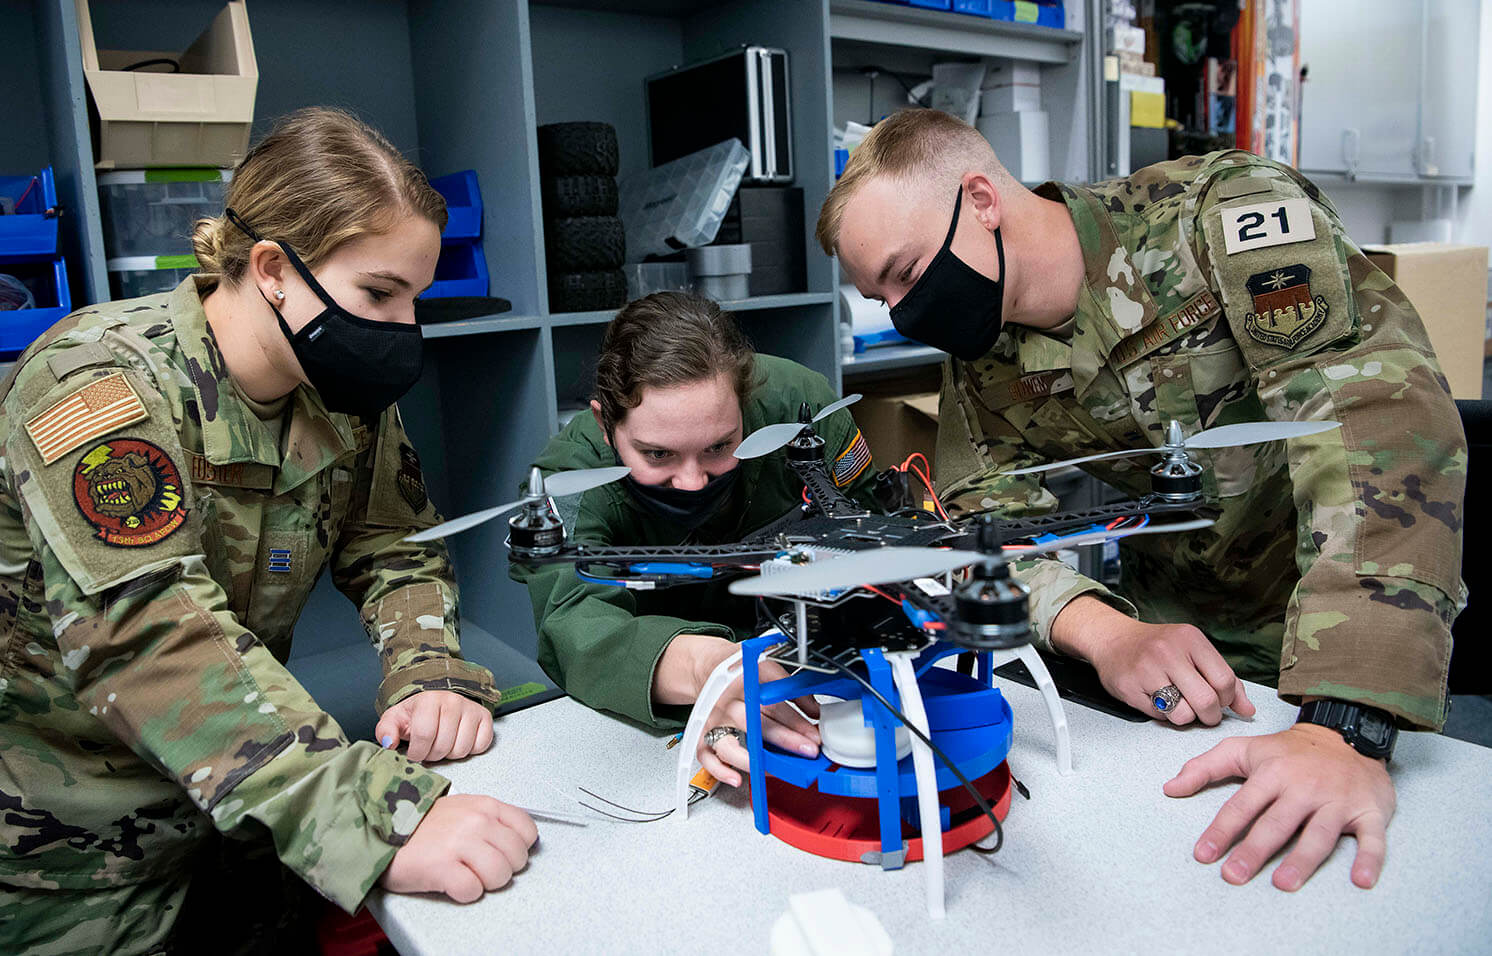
(179, 469)
(677, 388)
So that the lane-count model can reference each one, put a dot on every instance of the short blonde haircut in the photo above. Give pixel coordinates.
(924, 148)
(320, 178)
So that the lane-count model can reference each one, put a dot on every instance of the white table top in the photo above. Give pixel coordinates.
(1100, 861)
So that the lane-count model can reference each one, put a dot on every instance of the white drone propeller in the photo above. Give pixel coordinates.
(890, 565)
(557, 485)
(769, 438)
(1224, 436)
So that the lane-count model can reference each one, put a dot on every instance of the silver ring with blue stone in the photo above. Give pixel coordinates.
(1166, 699)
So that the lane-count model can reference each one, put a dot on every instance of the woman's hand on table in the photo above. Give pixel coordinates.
(465, 846)
(682, 671)
(437, 724)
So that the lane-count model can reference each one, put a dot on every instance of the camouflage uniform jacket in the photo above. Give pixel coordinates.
(158, 540)
(1224, 289)
(602, 643)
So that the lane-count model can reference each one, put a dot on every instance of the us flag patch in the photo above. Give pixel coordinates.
(854, 461)
(102, 406)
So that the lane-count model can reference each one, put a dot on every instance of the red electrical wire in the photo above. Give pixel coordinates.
(26, 192)
(922, 476)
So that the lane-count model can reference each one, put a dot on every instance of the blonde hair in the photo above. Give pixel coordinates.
(921, 147)
(320, 178)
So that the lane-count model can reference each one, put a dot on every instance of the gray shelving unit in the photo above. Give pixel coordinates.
(462, 84)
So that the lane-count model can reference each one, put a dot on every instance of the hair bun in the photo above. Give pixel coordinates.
(207, 243)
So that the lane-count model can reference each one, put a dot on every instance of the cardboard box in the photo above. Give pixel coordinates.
(896, 425)
(1447, 285)
(199, 116)
(1021, 142)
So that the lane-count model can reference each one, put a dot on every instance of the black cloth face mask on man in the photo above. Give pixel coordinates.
(952, 306)
(358, 366)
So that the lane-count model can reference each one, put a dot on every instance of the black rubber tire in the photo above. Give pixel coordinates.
(587, 291)
(585, 244)
(569, 196)
(577, 149)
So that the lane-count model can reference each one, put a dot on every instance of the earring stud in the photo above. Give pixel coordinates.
(280, 294)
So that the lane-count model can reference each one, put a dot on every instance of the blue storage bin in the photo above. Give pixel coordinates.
(932, 4)
(1024, 11)
(47, 280)
(31, 233)
(463, 206)
(979, 8)
(462, 270)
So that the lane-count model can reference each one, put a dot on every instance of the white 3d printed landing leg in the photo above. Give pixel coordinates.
(720, 678)
(930, 816)
(1027, 655)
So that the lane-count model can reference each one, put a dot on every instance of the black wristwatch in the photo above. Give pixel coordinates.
(1370, 731)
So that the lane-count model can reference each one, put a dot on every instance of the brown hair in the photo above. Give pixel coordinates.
(917, 145)
(665, 340)
(320, 178)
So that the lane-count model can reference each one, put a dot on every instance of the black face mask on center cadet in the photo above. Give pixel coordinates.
(358, 366)
(953, 307)
(678, 506)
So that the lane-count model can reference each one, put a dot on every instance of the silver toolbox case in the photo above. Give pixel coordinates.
(743, 94)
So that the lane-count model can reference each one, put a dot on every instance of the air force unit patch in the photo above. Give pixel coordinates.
(1284, 311)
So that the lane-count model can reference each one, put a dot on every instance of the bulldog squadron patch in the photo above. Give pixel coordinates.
(130, 491)
(1284, 310)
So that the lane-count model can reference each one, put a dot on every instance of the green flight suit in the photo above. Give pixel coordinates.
(159, 535)
(602, 643)
(1224, 289)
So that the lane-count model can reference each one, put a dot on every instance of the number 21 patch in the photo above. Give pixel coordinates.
(1265, 224)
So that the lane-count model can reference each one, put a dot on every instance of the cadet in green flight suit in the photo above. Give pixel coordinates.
(179, 470)
(1208, 290)
(677, 388)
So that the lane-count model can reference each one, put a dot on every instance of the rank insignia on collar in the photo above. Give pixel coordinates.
(279, 560)
(1284, 310)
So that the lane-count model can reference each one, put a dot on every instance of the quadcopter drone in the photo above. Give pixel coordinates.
(860, 606)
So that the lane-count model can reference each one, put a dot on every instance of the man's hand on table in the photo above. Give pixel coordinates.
(464, 846)
(438, 724)
(682, 671)
(1135, 659)
(1305, 779)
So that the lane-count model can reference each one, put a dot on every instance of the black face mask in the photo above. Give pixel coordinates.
(677, 506)
(953, 307)
(358, 366)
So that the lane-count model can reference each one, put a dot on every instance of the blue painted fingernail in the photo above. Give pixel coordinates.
(387, 742)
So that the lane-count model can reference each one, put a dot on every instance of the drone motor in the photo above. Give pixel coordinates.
(1177, 478)
(535, 531)
(992, 610)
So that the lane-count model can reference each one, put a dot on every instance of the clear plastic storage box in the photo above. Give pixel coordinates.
(149, 212)
(133, 276)
(680, 204)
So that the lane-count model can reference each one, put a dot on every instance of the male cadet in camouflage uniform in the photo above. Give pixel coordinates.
(159, 535)
(1210, 290)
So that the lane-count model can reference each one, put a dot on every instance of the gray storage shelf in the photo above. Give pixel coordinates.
(886, 358)
(947, 32)
(462, 84)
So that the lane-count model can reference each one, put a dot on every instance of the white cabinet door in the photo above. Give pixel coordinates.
(1448, 122)
(1361, 99)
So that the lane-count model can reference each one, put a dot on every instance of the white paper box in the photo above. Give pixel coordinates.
(1021, 141)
